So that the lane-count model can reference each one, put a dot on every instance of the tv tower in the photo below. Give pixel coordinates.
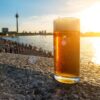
(17, 16)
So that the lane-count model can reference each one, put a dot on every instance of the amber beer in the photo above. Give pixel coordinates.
(67, 49)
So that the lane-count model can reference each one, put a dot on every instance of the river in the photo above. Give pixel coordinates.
(89, 46)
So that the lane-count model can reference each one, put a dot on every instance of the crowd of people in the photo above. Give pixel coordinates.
(9, 46)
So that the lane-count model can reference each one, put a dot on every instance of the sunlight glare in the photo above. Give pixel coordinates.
(90, 18)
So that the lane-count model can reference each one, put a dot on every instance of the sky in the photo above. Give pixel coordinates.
(35, 15)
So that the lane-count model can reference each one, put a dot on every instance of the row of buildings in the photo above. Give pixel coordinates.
(6, 31)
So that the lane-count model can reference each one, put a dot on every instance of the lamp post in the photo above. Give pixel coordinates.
(17, 22)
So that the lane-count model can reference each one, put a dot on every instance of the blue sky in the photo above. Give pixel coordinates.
(35, 15)
(29, 7)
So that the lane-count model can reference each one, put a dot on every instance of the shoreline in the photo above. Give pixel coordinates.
(9, 46)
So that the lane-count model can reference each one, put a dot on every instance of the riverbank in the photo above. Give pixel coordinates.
(24, 77)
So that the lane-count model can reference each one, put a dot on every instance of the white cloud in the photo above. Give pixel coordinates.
(75, 6)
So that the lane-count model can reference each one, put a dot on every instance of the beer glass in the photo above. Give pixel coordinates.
(67, 50)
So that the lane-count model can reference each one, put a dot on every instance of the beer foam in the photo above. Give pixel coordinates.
(66, 24)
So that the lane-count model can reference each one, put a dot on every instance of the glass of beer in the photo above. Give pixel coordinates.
(67, 50)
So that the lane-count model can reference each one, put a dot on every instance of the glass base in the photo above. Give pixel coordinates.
(67, 80)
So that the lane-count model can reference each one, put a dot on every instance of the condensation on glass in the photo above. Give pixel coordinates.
(67, 50)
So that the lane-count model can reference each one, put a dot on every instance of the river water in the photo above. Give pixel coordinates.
(44, 42)
(89, 46)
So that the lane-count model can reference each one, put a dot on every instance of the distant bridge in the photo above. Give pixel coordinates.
(22, 34)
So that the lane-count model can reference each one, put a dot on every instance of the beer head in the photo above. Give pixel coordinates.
(66, 24)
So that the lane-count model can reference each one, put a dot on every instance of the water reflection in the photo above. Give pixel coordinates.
(96, 46)
(90, 49)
